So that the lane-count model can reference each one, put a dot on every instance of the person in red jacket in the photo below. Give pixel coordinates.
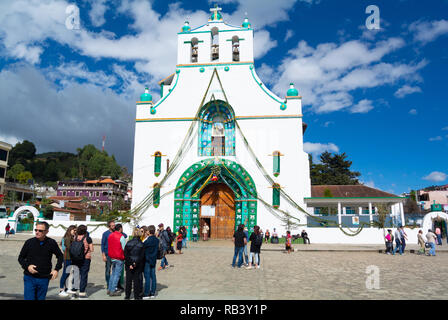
(116, 243)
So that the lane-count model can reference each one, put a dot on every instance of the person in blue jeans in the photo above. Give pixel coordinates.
(151, 246)
(166, 244)
(431, 239)
(116, 244)
(35, 259)
(240, 240)
(65, 244)
(398, 246)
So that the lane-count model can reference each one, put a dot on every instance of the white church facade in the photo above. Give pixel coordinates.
(220, 148)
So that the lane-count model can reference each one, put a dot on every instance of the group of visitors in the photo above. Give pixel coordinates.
(241, 239)
(400, 237)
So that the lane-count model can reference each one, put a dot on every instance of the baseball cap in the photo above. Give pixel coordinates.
(161, 225)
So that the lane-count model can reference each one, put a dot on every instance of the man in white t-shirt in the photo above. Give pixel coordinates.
(195, 233)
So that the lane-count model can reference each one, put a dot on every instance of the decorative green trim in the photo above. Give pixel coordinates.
(237, 118)
(214, 65)
(199, 41)
(233, 30)
(283, 106)
(169, 92)
(202, 69)
(161, 90)
(276, 195)
(238, 39)
(261, 84)
(226, 68)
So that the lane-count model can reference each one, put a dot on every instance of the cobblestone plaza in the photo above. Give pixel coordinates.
(204, 272)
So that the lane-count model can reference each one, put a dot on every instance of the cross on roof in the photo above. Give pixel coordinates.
(215, 9)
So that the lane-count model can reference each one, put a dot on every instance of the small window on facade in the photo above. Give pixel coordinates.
(64, 193)
(235, 48)
(276, 195)
(194, 50)
(215, 44)
(156, 195)
(77, 194)
(157, 163)
(276, 165)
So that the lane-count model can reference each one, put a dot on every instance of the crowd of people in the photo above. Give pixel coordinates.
(130, 264)
(399, 237)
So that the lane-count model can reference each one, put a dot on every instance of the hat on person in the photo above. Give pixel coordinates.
(161, 225)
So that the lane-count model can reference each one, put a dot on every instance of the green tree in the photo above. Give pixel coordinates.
(24, 177)
(22, 152)
(334, 169)
(15, 171)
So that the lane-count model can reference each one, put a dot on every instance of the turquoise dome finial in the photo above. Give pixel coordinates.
(292, 92)
(246, 23)
(186, 27)
(146, 96)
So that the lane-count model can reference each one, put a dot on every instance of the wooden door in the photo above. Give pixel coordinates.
(222, 225)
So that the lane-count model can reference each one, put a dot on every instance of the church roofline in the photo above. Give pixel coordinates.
(212, 64)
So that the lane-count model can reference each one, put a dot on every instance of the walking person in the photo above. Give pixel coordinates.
(166, 244)
(172, 237)
(389, 241)
(421, 242)
(65, 244)
(256, 240)
(151, 246)
(240, 240)
(404, 237)
(246, 256)
(431, 239)
(134, 254)
(184, 237)
(398, 246)
(7, 228)
(267, 236)
(205, 230)
(288, 241)
(194, 231)
(439, 236)
(82, 259)
(106, 258)
(116, 244)
(35, 259)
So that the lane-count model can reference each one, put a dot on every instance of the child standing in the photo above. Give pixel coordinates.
(288, 241)
(179, 241)
(389, 241)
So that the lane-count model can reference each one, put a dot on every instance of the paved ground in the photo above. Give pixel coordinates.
(313, 272)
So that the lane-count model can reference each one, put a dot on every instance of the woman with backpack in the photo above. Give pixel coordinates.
(81, 250)
(65, 244)
(134, 259)
(256, 240)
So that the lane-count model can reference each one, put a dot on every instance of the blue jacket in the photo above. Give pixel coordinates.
(151, 246)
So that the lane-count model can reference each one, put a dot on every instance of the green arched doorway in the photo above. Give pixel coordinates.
(187, 198)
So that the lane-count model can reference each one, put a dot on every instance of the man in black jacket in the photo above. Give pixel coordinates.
(35, 259)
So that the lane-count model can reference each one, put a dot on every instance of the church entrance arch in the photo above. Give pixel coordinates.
(217, 191)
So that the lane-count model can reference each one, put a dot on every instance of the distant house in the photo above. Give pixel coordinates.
(4, 153)
(343, 202)
(427, 196)
(70, 208)
(102, 192)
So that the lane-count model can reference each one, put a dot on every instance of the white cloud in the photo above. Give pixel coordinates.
(427, 31)
(438, 138)
(362, 106)
(289, 34)
(370, 184)
(406, 90)
(96, 14)
(262, 43)
(435, 176)
(317, 148)
(413, 112)
(326, 75)
(445, 128)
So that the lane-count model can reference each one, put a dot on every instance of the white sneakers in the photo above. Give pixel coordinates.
(63, 294)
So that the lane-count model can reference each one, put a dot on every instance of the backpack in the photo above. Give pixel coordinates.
(160, 251)
(77, 250)
(258, 240)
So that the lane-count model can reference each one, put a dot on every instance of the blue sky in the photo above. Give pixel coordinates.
(377, 95)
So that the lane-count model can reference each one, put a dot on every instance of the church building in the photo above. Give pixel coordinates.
(219, 148)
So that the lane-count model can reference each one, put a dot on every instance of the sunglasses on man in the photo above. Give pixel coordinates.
(39, 230)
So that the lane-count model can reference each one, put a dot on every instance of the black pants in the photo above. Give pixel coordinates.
(134, 277)
(305, 240)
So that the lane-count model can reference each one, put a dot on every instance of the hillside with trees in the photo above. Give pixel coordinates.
(48, 168)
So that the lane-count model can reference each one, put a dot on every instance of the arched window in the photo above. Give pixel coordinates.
(215, 44)
(156, 195)
(157, 163)
(194, 50)
(276, 165)
(235, 48)
(217, 130)
(276, 195)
